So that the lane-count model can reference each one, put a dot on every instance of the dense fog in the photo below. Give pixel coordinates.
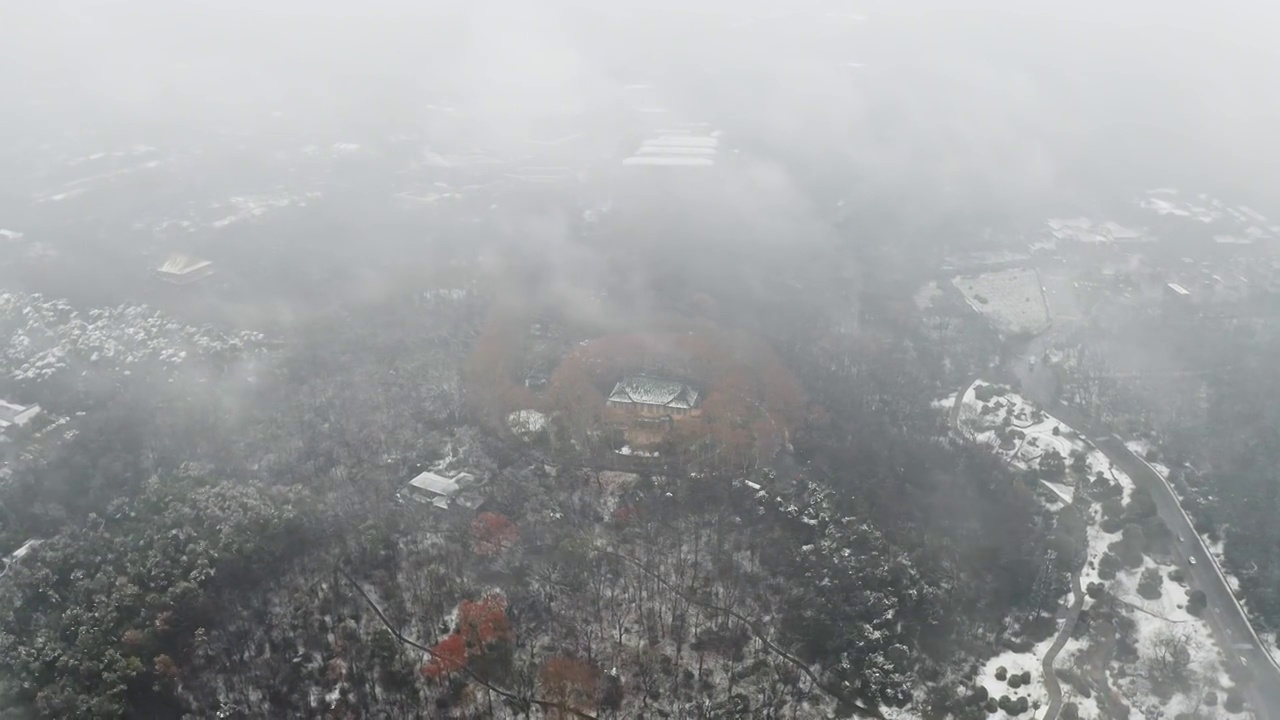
(636, 358)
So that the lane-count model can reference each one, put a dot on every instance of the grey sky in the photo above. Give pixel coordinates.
(1008, 98)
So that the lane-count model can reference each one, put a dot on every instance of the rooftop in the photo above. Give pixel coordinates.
(15, 414)
(180, 264)
(439, 484)
(643, 390)
(668, 160)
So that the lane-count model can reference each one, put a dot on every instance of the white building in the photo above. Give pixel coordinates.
(181, 269)
(15, 415)
(688, 145)
(438, 490)
(1119, 233)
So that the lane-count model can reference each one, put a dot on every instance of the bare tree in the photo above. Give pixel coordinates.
(1169, 663)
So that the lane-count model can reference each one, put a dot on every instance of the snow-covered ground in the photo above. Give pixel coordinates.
(1141, 448)
(1011, 300)
(984, 422)
(1248, 224)
(1155, 620)
(1016, 663)
(220, 214)
(40, 338)
(241, 208)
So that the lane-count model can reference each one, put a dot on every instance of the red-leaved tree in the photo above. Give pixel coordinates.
(480, 624)
(483, 622)
(493, 533)
(447, 656)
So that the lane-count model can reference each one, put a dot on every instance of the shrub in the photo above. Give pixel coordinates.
(1002, 672)
(1211, 698)
(1235, 702)
(1026, 677)
(1070, 711)
(1149, 584)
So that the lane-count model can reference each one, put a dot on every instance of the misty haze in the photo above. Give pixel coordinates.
(628, 359)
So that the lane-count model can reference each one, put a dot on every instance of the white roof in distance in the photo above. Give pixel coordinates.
(668, 160)
(1179, 289)
(180, 264)
(654, 150)
(682, 141)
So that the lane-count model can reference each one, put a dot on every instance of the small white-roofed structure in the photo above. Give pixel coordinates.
(1120, 233)
(1178, 290)
(669, 160)
(181, 269)
(438, 490)
(683, 145)
(15, 415)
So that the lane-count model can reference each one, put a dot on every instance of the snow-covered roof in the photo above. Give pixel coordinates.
(26, 548)
(1120, 232)
(439, 484)
(682, 141)
(15, 414)
(1179, 289)
(684, 144)
(180, 264)
(643, 390)
(668, 160)
(668, 150)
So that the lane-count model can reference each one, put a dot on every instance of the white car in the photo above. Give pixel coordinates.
(1191, 560)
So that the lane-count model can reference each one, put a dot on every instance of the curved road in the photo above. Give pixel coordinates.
(1073, 615)
(1240, 644)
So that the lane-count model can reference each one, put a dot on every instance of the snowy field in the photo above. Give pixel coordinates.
(1011, 300)
(993, 422)
(1036, 433)
(1251, 224)
(1016, 663)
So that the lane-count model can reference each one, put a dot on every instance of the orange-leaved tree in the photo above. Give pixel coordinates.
(447, 657)
(483, 622)
(479, 625)
(569, 683)
(493, 533)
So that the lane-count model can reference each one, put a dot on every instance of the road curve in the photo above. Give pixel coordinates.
(1240, 643)
(1226, 617)
(1073, 615)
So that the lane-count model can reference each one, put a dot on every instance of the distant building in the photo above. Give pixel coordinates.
(689, 145)
(441, 491)
(15, 415)
(1177, 291)
(181, 269)
(1070, 229)
(1119, 233)
(654, 397)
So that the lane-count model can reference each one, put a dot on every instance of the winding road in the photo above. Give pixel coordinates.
(1240, 644)
(1051, 683)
